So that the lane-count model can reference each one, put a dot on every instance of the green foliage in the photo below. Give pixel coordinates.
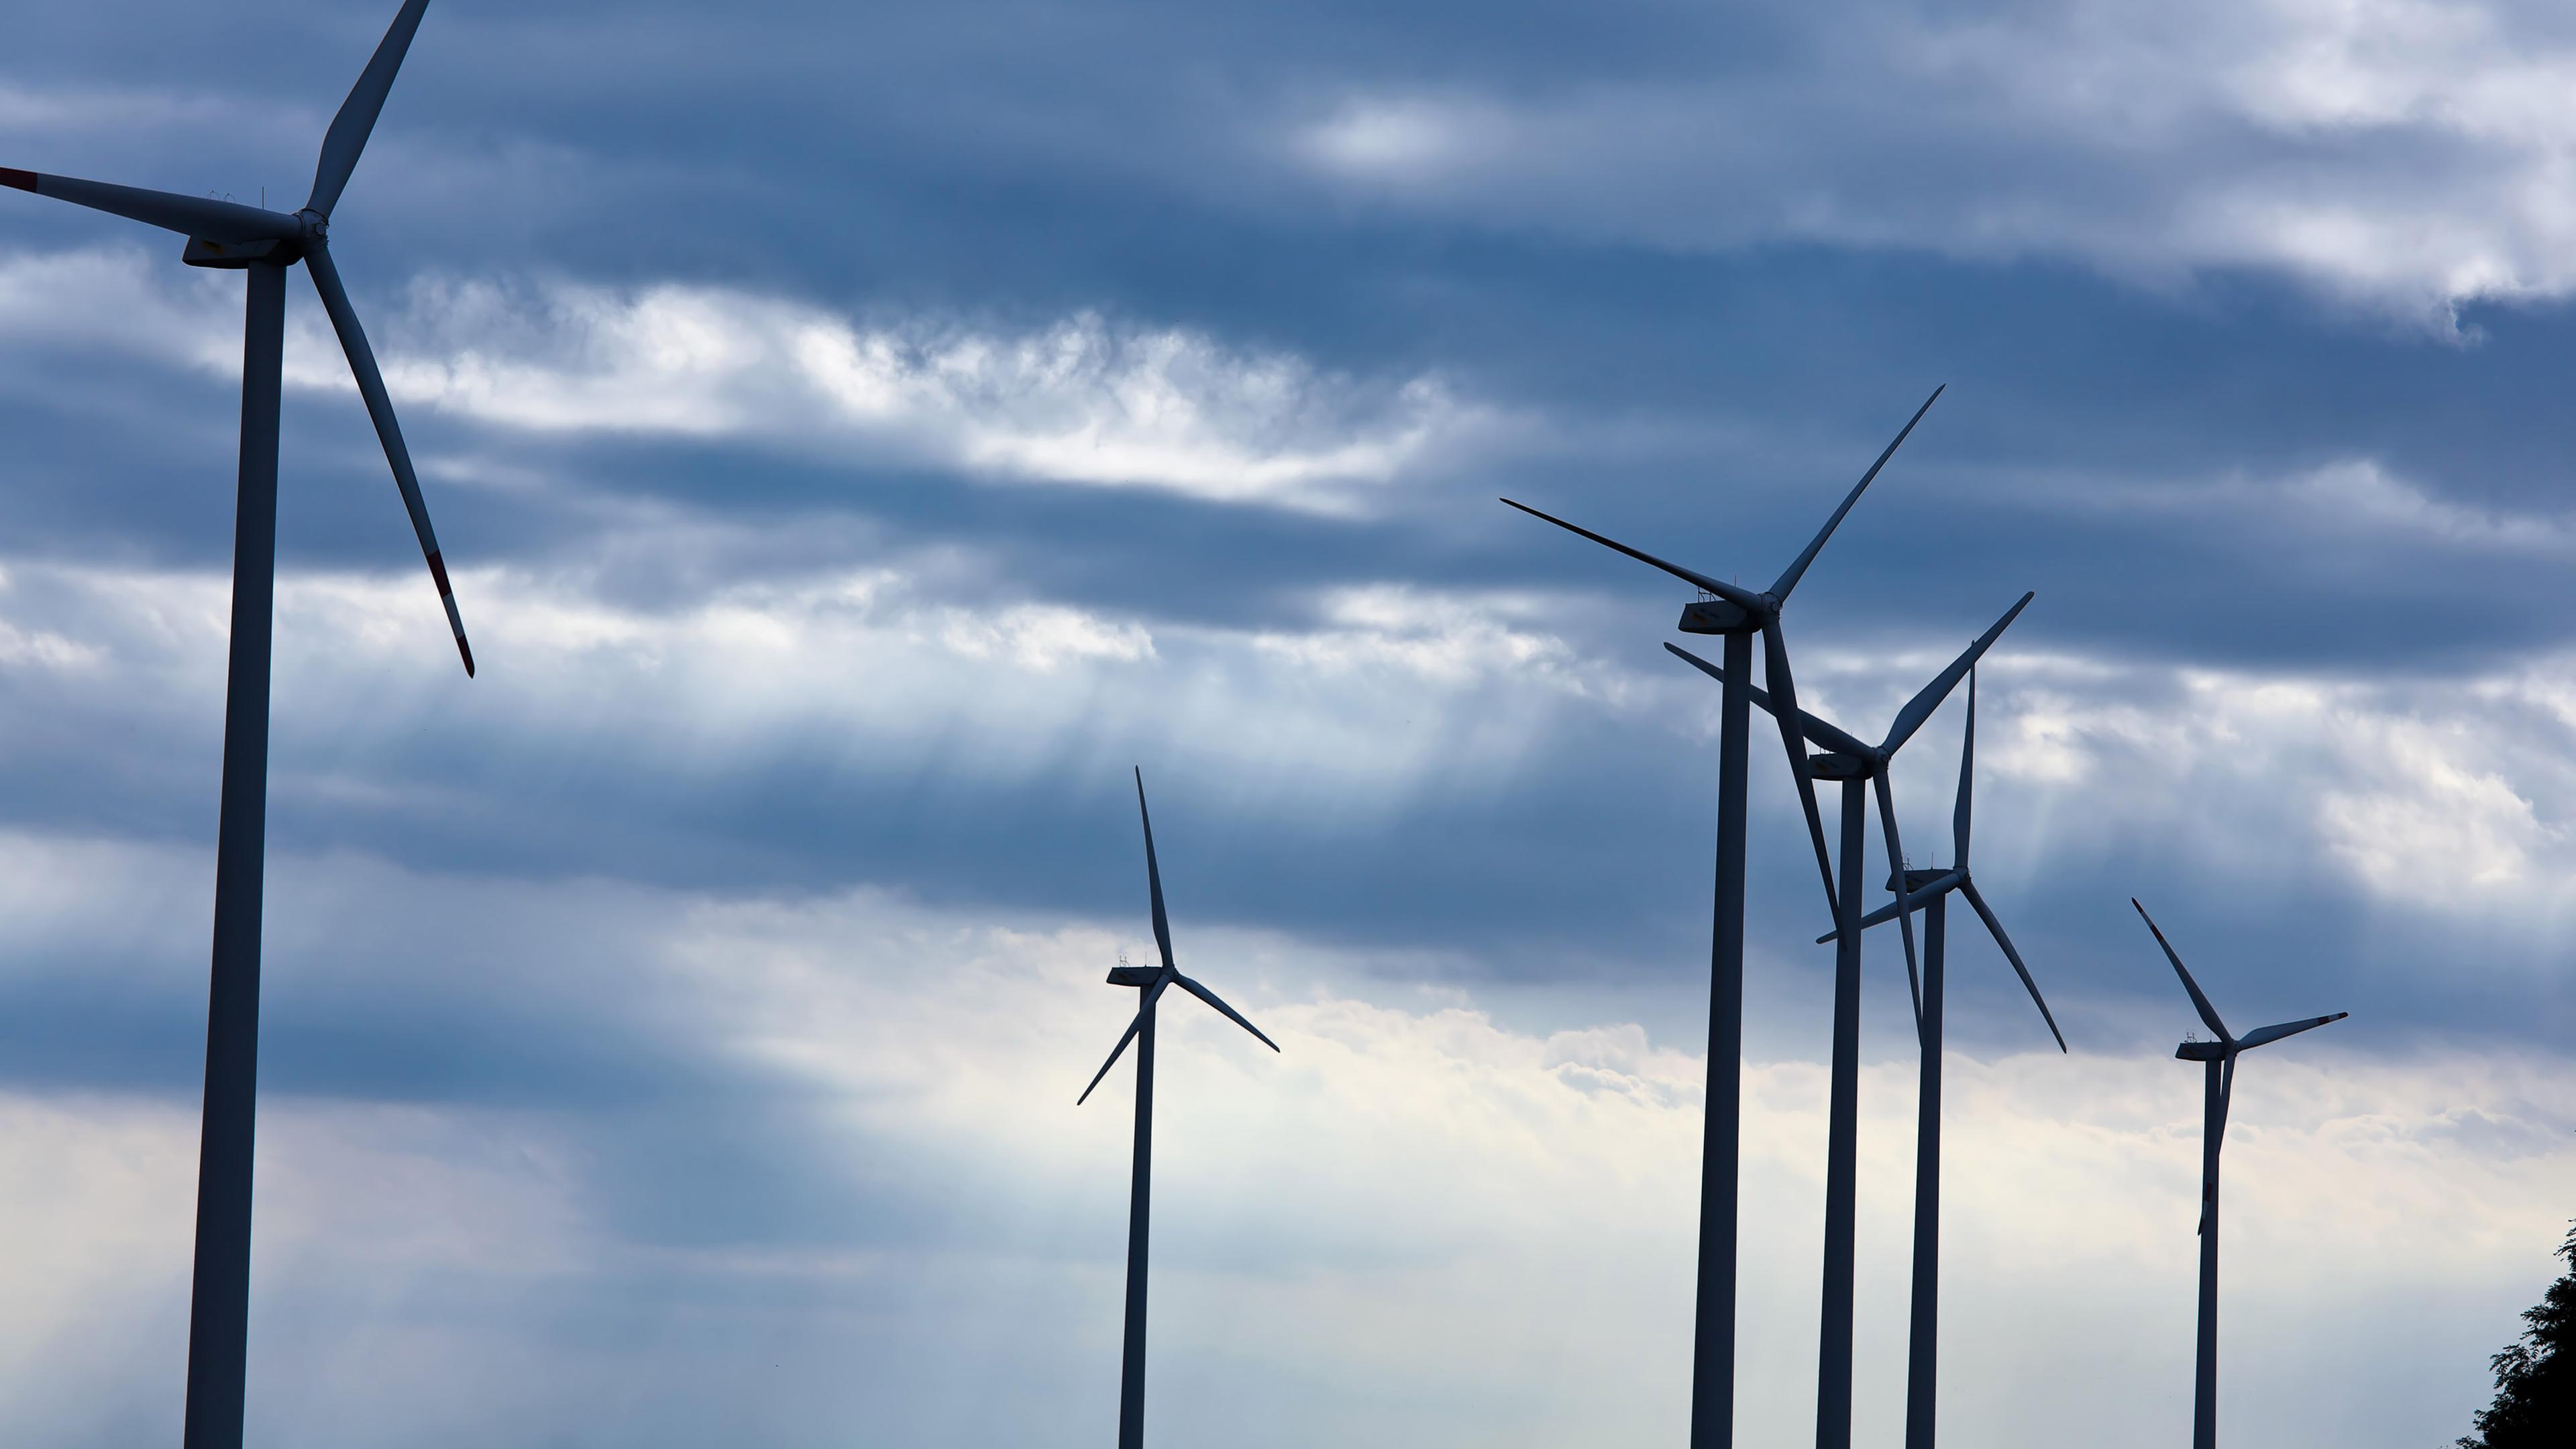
(2535, 1402)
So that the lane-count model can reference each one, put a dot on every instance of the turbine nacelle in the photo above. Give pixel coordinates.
(1845, 767)
(283, 245)
(2203, 1051)
(233, 256)
(1922, 884)
(1721, 616)
(1138, 976)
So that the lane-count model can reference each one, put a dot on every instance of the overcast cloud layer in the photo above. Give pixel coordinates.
(860, 436)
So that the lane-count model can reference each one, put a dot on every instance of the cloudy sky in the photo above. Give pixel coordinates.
(861, 434)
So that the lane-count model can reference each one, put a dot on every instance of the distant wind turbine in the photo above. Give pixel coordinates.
(264, 244)
(1737, 614)
(2218, 1077)
(1149, 982)
(1930, 890)
(1859, 766)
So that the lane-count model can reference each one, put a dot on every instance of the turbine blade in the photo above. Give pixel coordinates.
(1210, 997)
(1920, 707)
(349, 129)
(1784, 693)
(2263, 1035)
(1154, 877)
(1798, 570)
(1818, 730)
(1904, 909)
(1732, 593)
(2226, 1094)
(1153, 994)
(380, 408)
(2200, 1003)
(1967, 779)
(191, 216)
(1986, 914)
(1915, 901)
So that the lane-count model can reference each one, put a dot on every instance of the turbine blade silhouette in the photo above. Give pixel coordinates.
(1920, 707)
(1153, 994)
(1896, 872)
(1967, 780)
(1916, 900)
(357, 118)
(1798, 570)
(1210, 997)
(380, 408)
(1995, 928)
(1732, 593)
(1819, 731)
(191, 216)
(2200, 1003)
(1784, 695)
(1154, 878)
(2226, 1094)
(2263, 1035)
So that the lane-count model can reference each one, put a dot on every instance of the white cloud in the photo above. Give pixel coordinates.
(1385, 693)
(2407, 152)
(1082, 401)
(1085, 400)
(2442, 799)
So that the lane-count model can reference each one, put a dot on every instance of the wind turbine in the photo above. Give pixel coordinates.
(2218, 1078)
(1859, 766)
(264, 244)
(1149, 982)
(1930, 890)
(1737, 614)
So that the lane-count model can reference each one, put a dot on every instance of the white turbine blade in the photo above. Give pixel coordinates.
(1822, 732)
(1154, 876)
(1920, 707)
(2200, 1003)
(189, 216)
(2226, 1094)
(1733, 594)
(2226, 1089)
(1210, 997)
(1996, 929)
(1153, 994)
(347, 137)
(1904, 910)
(380, 409)
(2263, 1034)
(1784, 693)
(1915, 900)
(1797, 570)
(1967, 779)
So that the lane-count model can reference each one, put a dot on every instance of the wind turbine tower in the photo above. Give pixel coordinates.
(1737, 614)
(2218, 1084)
(1930, 891)
(1861, 767)
(1149, 982)
(262, 244)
